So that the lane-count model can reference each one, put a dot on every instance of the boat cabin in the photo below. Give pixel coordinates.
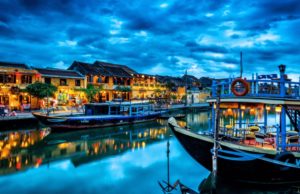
(118, 108)
(263, 111)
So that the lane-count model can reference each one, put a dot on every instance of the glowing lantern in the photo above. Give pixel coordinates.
(278, 109)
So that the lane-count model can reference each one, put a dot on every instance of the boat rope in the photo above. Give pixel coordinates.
(254, 156)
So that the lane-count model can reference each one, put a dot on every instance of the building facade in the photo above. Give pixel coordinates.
(114, 80)
(147, 87)
(14, 77)
(69, 85)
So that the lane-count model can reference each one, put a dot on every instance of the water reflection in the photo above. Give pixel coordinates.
(127, 159)
(22, 149)
(14, 149)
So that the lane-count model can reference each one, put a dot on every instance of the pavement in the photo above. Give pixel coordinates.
(28, 115)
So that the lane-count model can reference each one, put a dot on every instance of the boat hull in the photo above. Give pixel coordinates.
(239, 163)
(86, 122)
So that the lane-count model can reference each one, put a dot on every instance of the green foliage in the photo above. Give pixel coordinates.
(170, 85)
(41, 90)
(123, 89)
(157, 91)
(90, 91)
(173, 97)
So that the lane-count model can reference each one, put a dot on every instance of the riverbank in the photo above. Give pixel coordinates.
(26, 118)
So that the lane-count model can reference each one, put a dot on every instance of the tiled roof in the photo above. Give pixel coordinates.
(124, 67)
(52, 72)
(13, 65)
(84, 68)
(175, 80)
(102, 68)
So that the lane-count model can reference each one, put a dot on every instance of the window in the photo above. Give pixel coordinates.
(106, 80)
(77, 82)
(7, 78)
(26, 79)
(63, 82)
(47, 80)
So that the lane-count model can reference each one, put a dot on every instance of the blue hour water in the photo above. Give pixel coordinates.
(125, 159)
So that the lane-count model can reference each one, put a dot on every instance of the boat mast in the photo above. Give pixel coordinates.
(241, 64)
(216, 139)
(186, 97)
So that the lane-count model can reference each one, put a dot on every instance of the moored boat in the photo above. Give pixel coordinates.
(102, 115)
(251, 152)
(178, 116)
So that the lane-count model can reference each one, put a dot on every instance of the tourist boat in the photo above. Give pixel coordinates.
(177, 116)
(102, 115)
(255, 153)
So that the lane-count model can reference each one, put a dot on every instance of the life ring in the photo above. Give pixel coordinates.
(244, 83)
(286, 157)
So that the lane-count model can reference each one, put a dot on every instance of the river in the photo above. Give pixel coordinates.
(124, 159)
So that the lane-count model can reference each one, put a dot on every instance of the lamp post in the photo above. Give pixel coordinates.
(282, 79)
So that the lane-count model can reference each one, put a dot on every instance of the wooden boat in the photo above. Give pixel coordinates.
(267, 157)
(101, 115)
(178, 116)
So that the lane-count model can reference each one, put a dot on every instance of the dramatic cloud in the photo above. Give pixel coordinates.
(158, 37)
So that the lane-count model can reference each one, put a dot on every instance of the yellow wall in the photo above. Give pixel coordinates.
(146, 87)
(5, 89)
(66, 93)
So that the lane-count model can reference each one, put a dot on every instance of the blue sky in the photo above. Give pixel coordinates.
(154, 36)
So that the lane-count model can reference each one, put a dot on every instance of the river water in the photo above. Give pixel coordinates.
(124, 159)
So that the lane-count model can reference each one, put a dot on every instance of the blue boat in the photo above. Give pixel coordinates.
(99, 115)
(258, 153)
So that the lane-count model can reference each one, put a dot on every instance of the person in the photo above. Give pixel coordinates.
(54, 104)
(12, 114)
(42, 104)
(21, 107)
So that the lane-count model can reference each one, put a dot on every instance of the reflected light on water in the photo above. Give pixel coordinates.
(102, 160)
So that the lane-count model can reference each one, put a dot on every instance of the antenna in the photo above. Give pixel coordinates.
(241, 64)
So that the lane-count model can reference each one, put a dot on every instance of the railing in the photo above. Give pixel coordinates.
(261, 88)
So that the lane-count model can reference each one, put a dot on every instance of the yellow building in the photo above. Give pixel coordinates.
(68, 83)
(115, 80)
(146, 86)
(14, 77)
(175, 88)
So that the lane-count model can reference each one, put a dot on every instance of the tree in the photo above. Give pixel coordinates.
(123, 89)
(41, 90)
(90, 91)
(170, 85)
(157, 91)
(173, 97)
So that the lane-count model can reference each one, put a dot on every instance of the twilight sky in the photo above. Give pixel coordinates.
(154, 36)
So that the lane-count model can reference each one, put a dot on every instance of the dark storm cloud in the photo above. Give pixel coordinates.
(161, 37)
(261, 15)
(194, 47)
